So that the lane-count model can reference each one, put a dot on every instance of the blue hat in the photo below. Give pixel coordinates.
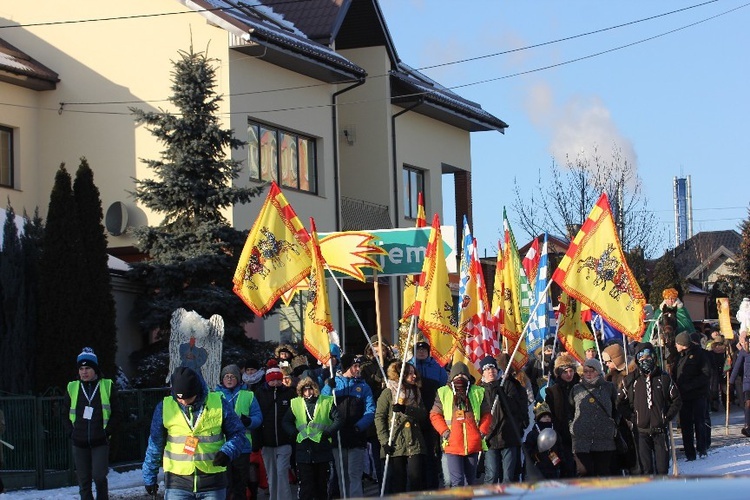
(88, 358)
(488, 361)
(335, 351)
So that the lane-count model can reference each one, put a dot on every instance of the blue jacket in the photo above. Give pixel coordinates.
(742, 365)
(234, 433)
(356, 405)
(429, 368)
(256, 416)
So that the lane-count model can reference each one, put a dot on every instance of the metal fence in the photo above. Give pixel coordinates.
(42, 457)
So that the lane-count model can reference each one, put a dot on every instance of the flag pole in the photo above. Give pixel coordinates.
(726, 424)
(532, 314)
(338, 433)
(364, 331)
(596, 342)
(376, 288)
(625, 351)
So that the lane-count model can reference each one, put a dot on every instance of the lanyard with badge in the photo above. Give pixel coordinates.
(88, 410)
(191, 442)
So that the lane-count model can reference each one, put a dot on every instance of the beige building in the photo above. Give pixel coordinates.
(316, 88)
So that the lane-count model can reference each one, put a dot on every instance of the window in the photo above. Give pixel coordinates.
(6, 157)
(281, 156)
(413, 185)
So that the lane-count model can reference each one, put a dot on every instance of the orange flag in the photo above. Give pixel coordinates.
(275, 257)
(594, 271)
(571, 329)
(434, 303)
(411, 282)
(317, 313)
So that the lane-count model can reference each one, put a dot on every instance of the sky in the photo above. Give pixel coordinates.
(675, 105)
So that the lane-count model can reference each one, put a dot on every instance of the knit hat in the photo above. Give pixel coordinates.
(273, 372)
(615, 354)
(423, 345)
(88, 358)
(682, 339)
(564, 361)
(595, 364)
(348, 360)
(457, 369)
(185, 383)
(231, 370)
(541, 409)
(487, 362)
(252, 363)
(589, 344)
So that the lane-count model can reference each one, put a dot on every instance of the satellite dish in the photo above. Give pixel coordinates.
(116, 219)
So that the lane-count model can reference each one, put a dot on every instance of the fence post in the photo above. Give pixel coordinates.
(39, 453)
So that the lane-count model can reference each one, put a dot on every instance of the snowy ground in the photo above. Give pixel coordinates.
(729, 455)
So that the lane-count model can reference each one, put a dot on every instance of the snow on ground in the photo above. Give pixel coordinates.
(121, 485)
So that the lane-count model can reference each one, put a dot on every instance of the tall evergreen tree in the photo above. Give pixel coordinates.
(11, 274)
(59, 338)
(193, 252)
(98, 317)
(665, 276)
(28, 315)
(739, 280)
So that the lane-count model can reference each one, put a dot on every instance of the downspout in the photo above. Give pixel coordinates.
(336, 189)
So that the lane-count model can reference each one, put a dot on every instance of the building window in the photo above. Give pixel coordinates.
(281, 156)
(413, 185)
(6, 157)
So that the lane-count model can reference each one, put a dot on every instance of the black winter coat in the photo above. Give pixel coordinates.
(632, 400)
(274, 403)
(693, 373)
(308, 451)
(90, 433)
(557, 398)
(502, 434)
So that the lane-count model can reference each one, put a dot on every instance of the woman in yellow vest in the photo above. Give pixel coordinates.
(196, 434)
(94, 412)
(313, 419)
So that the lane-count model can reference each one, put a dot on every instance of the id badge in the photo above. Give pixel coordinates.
(88, 412)
(460, 414)
(554, 458)
(191, 443)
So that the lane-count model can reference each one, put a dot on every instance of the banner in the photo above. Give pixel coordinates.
(571, 329)
(317, 312)
(411, 281)
(725, 321)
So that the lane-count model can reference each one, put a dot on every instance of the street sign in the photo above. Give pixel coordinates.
(406, 248)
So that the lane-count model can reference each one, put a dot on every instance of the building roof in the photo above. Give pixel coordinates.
(359, 215)
(704, 248)
(19, 68)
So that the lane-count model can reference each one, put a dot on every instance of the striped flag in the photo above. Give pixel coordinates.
(411, 282)
(317, 312)
(541, 325)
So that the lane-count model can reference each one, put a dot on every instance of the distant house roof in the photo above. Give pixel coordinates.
(20, 69)
(700, 251)
(358, 215)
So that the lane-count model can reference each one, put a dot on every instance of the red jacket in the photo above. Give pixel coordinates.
(467, 430)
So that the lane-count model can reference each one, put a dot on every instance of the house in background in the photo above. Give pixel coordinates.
(316, 88)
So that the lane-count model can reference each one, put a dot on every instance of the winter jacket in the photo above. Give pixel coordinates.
(408, 427)
(593, 427)
(559, 404)
(357, 409)
(256, 417)
(429, 368)
(465, 433)
(548, 462)
(274, 403)
(632, 400)
(693, 373)
(88, 433)
(501, 434)
(308, 451)
(235, 440)
(741, 368)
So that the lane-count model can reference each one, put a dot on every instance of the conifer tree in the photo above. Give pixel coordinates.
(193, 252)
(739, 280)
(11, 344)
(98, 316)
(59, 339)
(28, 312)
(665, 276)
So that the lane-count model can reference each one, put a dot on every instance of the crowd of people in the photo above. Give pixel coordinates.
(414, 425)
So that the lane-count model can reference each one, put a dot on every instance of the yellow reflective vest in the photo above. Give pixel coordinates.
(105, 390)
(207, 430)
(312, 430)
(242, 404)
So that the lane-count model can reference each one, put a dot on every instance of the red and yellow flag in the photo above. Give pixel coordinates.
(571, 328)
(411, 282)
(594, 271)
(434, 303)
(275, 257)
(515, 312)
(317, 313)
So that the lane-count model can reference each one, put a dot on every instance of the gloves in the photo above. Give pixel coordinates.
(656, 430)
(398, 408)
(325, 435)
(151, 489)
(446, 435)
(388, 449)
(246, 420)
(221, 459)
(331, 382)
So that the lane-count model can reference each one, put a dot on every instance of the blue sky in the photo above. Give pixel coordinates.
(675, 105)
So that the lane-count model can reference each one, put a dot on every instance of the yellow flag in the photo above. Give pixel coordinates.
(411, 282)
(594, 271)
(317, 313)
(275, 257)
(571, 329)
(514, 307)
(725, 323)
(434, 303)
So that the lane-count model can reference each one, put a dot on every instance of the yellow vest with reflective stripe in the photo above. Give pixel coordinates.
(476, 395)
(242, 404)
(207, 429)
(105, 390)
(312, 430)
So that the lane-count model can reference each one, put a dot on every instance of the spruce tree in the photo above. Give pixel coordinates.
(59, 338)
(665, 276)
(193, 252)
(11, 269)
(739, 281)
(28, 313)
(98, 317)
